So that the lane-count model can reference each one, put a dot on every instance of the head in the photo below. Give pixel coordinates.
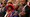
(9, 2)
(3, 4)
(23, 1)
(10, 7)
(16, 7)
(28, 3)
(16, 1)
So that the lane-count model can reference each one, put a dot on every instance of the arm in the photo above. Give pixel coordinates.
(6, 14)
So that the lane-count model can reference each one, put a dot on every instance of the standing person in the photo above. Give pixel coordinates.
(10, 5)
(27, 9)
(2, 9)
(9, 10)
(21, 5)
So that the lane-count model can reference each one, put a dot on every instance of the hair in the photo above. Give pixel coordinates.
(10, 7)
(1, 3)
(10, 2)
(5, 3)
(26, 0)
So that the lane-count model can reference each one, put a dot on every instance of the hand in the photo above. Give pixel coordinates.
(22, 13)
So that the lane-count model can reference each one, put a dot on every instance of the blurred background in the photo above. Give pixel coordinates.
(14, 8)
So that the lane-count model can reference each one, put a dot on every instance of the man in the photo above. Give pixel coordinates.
(27, 9)
(2, 9)
(22, 3)
(21, 6)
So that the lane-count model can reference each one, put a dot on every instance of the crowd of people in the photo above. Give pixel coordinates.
(15, 9)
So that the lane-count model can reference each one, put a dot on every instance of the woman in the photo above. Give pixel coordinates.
(9, 11)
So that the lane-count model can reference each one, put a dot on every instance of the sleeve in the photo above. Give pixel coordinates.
(4, 11)
(26, 9)
(5, 14)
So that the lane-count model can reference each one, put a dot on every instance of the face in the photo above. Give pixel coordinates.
(16, 1)
(15, 7)
(3, 5)
(9, 8)
(22, 1)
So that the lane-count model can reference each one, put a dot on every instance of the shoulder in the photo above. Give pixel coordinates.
(26, 7)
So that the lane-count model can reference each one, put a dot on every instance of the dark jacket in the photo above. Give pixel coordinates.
(27, 10)
(2, 13)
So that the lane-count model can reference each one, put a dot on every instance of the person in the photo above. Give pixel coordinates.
(9, 10)
(21, 6)
(9, 4)
(2, 9)
(5, 9)
(27, 10)
(15, 14)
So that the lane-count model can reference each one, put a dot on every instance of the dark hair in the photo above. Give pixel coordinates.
(5, 3)
(10, 7)
(10, 2)
(25, 3)
(26, 0)
(1, 3)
